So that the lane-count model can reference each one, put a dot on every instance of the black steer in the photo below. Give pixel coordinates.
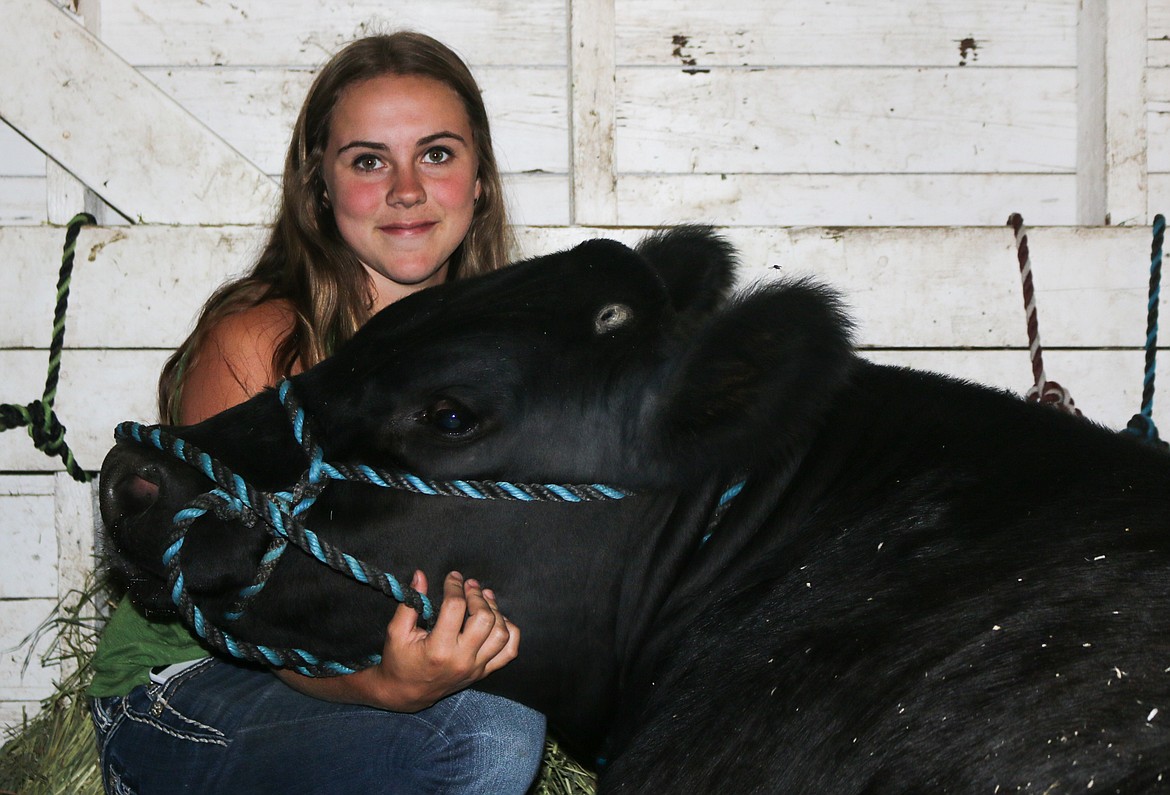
(923, 586)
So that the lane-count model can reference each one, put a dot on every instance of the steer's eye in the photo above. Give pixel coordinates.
(449, 417)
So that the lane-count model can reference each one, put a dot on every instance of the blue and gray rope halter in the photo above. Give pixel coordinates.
(283, 513)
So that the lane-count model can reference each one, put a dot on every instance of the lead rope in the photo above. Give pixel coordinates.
(1142, 424)
(283, 513)
(44, 427)
(1042, 390)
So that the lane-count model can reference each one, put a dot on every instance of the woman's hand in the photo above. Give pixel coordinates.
(470, 640)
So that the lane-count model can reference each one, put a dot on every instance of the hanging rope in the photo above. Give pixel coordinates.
(45, 429)
(1142, 424)
(1042, 390)
(283, 514)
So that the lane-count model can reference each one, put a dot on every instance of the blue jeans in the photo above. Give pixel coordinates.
(220, 727)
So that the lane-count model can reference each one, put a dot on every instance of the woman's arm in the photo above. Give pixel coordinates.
(470, 639)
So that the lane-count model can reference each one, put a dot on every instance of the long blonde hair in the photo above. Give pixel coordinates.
(305, 261)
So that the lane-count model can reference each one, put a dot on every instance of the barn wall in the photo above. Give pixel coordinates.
(878, 144)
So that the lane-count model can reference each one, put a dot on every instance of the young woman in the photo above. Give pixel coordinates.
(390, 185)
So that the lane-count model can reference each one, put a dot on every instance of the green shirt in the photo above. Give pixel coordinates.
(131, 645)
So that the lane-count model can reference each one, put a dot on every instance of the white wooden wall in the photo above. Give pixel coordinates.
(880, 144)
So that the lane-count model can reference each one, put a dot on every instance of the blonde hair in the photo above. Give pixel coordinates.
(305, 261)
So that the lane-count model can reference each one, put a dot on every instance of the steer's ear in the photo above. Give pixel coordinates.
(697, 265)
(757, 378)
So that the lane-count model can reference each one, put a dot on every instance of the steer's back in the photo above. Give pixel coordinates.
(953, 591)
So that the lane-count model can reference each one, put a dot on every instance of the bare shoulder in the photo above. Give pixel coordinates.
(262, 326)
(234, 360)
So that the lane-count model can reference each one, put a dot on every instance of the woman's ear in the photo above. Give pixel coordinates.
(763, 368)
(478, 191)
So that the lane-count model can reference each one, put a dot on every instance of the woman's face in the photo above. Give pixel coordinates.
(400, 174)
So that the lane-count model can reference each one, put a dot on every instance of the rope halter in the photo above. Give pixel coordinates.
(283, 514)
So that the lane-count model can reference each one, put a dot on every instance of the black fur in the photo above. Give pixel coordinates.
(924, 586)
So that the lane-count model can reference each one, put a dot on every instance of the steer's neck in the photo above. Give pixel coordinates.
(586, 589)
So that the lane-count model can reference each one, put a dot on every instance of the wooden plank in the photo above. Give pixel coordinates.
(126, 281)
(594, 101)
(101, 120)
(1112, 184)
(254, 109)
(847, 33)
(19, 620)
(22, 201)
(1158, 120)
(67, 195)
(19, 158)
(846, 200)
(958, 288)
(133, 275)
(846, 120)
(307, 32)
(1125, 113)
(1092, 39)
(1159, 195)
(75, 515)
(538, 199)
(1158, 33)
(98, 389)
(1105, 385)
(26, 524)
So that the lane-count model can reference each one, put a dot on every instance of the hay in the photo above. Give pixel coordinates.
(54, 752)
(560, 774)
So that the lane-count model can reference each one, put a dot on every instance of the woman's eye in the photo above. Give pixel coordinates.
(450, 417)
(367, 162)
(437, 154)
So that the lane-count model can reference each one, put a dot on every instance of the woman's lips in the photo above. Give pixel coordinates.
(407, 230)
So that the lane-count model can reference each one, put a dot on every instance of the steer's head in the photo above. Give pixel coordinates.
(598, 364)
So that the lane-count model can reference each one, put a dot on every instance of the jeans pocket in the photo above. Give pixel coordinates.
(161, 707)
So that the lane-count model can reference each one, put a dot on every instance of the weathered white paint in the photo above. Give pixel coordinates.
(66, 194)
(28, 591)
(102, 121)
(846, 120)
(307, 32)
(847, 33)
(1158, 32)
(98, 389)
(19, 158)
(893, 200)
(1113, 113)
(24, 680)
(594, 97)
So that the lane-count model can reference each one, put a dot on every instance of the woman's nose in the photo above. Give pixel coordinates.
(406, 188)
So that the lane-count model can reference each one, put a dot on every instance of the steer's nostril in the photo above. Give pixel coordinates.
(129, 495)
(135, 493)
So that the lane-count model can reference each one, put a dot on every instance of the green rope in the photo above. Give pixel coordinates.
(46, 431)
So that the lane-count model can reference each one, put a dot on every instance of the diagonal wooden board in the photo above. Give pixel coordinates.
(88, 110)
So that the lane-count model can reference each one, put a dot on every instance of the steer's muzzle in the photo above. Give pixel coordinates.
(140, 490)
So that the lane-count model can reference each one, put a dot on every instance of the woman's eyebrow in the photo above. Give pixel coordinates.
(381, 147)
(363, 145)
(426, 139)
